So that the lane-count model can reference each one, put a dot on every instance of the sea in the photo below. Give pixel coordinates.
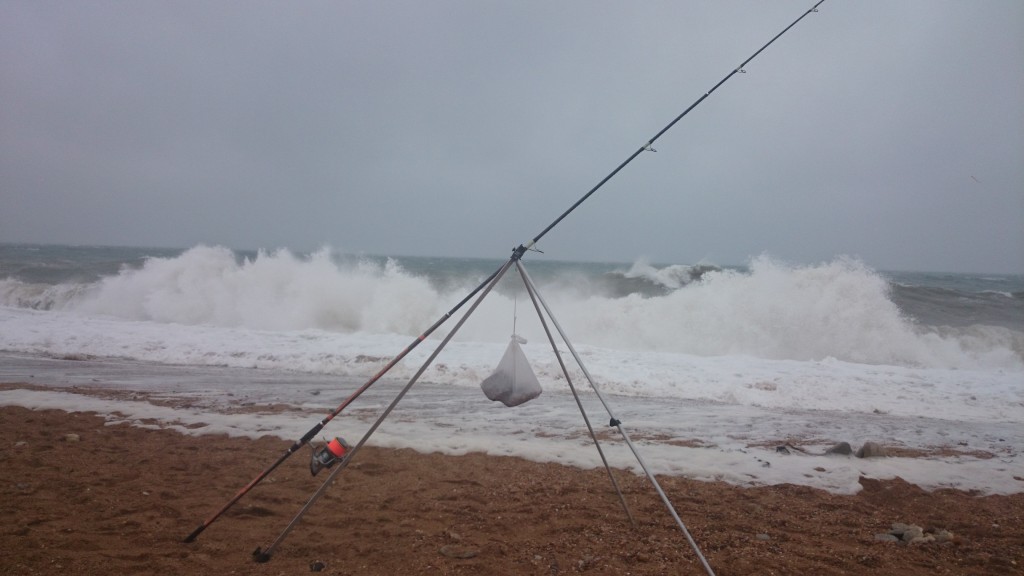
(746, 374)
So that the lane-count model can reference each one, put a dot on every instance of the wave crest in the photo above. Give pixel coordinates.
(273, 291)
(840, 309)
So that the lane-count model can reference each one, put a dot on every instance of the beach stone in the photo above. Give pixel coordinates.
(763, 537)
(913, 533)
(72, 437)
(871, 450)
(886, 538)
(898, 528)
(20, 444)
(841, 449)
(906, 532)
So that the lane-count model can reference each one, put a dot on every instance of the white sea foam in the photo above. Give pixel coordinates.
(274, 291)
(672, 277)
(828, 384)
(738, 442)
(840, 309)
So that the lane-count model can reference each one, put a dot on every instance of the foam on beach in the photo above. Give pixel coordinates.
(701, 440)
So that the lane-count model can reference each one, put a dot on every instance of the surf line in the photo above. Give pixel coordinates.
(263, 555)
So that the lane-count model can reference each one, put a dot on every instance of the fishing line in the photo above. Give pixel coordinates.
(515, 312)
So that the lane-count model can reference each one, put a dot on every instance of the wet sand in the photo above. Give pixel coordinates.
(120, 499)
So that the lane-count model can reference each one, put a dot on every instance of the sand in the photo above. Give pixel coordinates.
(119, 500)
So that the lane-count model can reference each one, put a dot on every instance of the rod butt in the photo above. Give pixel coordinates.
(192, 537)
(259, 556)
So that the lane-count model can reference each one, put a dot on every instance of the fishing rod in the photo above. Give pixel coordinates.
(263, 555)
(305, 439)
(648, 146)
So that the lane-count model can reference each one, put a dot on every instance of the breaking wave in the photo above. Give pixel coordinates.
(649, 280)
(840, 309)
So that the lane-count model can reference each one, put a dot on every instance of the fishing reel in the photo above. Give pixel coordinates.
(326, 455)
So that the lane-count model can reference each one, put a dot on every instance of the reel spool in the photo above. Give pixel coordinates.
(326, 455)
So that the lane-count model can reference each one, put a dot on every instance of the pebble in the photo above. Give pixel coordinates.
(915, 535)
(585, 562)
(927, 538)
(763, 537)
(841, 449)
(871, 450)
(72, 437)
(911, 533)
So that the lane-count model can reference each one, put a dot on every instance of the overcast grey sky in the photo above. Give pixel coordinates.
(888, 131)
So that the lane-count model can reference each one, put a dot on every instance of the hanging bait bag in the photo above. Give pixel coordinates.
(513, 382)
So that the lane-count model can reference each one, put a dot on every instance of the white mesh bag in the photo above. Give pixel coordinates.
(513, 382)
